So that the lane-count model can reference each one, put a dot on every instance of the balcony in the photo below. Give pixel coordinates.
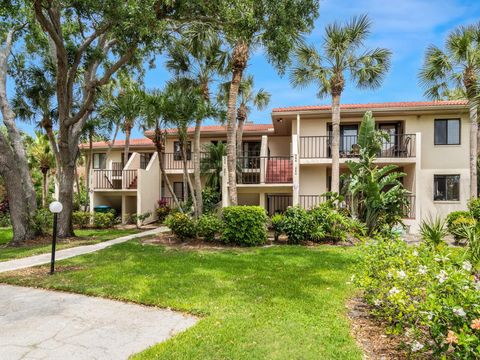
(265, 170)
(173, 161)
(114, 179)
(319, 147)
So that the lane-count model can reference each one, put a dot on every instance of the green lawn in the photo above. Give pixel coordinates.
(282, 302)
(85, 237)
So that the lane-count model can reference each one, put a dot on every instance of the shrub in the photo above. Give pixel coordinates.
(428, 296)
(277, 225)
(43, 221)
(208, 225)
(244, 225)
(138, 219)
(328, 223)
(104, 220)
(211, 198)
(456, 220)
(474, 207)
(81, 219)
(5, 220)
(297, 224)
(433, 231)
(162, 210)
(182, 225)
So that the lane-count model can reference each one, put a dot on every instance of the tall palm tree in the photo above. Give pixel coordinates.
(343, 52)
(456, 69)
(247, 98)
(153, 115)
(126, 108)
(41, 156)
(197, 60)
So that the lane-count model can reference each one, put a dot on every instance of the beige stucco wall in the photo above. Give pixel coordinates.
(279, 145)
(313, 179)
(149, 189)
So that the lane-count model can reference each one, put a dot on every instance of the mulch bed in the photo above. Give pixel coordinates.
(371, 334)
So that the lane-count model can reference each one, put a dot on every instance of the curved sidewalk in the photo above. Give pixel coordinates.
(71, 252)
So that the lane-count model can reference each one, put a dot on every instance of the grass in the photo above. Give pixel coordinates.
(85, 237)
(282, 302)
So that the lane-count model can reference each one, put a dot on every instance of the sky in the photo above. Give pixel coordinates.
(406, 27)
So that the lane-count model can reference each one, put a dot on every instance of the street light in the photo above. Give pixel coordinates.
(54, 207)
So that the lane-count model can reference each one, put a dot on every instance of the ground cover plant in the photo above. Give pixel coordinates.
(281, 302)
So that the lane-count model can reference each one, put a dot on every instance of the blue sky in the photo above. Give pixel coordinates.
(406, 27)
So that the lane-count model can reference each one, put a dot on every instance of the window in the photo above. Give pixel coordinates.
(446, 187)
(251, 148)
(99, 161)
(447, 131)
(177, 150)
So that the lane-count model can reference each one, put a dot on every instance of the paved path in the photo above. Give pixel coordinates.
(71, 252)
(42, 324)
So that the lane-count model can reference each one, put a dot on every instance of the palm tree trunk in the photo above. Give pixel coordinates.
(335, 144)
(160, 152)
(239, 61)
(89, 160)
(112, 143)
(44, 188)
(196, 168)
(473, 148)
(128, 130)
(241, 123)
(188, 182)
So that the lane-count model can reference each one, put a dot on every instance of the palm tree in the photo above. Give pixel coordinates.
(340, 55)
(456, 70)
(153, 111)
(212, 163)
(126, 108)
(247, 98)
(196, 61)
(41, 156)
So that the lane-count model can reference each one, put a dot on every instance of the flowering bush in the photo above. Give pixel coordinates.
(430, 296)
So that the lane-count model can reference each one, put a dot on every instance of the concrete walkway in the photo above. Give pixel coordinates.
(41, 324)
(71, 252)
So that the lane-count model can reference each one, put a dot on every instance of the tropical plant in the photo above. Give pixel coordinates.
(433, 231)
(457, 69)
(212, 163)
(376, 193)
(328, 71)
(41, 157)
(247, 99)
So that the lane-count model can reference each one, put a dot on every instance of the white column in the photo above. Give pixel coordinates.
(296, 172)
(225, 200)
(263, 157)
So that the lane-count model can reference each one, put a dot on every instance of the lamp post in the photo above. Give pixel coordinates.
(54, 207)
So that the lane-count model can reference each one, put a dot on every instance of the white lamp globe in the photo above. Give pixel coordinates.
(55, 207)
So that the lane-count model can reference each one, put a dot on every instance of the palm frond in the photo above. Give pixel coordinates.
(369, 69)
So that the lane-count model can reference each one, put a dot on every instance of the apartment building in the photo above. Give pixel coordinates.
(288, 162)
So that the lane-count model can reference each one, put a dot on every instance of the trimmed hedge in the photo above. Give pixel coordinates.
(182, 225)
(244, 225)
(208, 225)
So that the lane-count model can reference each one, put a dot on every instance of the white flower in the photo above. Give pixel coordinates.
(428, 313)
(401, 274)
(477, 286)
(352, 277)
(389, 275)
(467, 266)
(442, 276)
(393, 291)
(437, 258)
(415, 253)
(416, 346)
(459, 312)
(422, 269)
(377, 302)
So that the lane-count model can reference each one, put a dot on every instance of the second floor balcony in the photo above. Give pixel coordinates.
(265, 170)
(320, 147)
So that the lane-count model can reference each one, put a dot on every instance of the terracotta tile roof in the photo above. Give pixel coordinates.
(402, 104)
(205, 129)
(221, 128)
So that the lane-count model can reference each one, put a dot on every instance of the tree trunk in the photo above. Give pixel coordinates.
(112, 143)
(186, 175)
(241, 123)
(335, 144)
(89, 161)
(13, 160)
(473, 148)
(160, 152)
(66, 179)
(128, 130)
(44, 188)
(196, 169)
(239, 62)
